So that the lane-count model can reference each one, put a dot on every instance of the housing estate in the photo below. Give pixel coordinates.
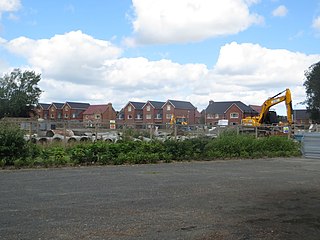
(233, 111)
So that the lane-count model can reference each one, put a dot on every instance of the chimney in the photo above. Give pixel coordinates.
(211, 102)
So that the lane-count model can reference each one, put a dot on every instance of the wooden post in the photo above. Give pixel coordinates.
(256, 132)
(151, 128)
(175, 131)
(96, 131)
(64, 133)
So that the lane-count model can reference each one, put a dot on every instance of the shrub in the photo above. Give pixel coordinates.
(12, 143)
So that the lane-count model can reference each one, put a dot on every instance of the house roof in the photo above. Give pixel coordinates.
(57, 105)
(257, 108)
(155, 104)
(181, 104)
(96, 109)
(44, 106)
(222, 107)
(301, 114)
(78, 105)
(137, 105)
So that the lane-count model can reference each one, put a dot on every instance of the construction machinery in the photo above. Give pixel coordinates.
(178, 120)
(257, 121)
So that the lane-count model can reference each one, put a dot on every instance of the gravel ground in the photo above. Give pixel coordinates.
(234, 199)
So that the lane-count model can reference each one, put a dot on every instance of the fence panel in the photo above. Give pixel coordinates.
(311, 145)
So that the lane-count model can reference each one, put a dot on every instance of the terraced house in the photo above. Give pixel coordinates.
(233, 111)
(99, 115)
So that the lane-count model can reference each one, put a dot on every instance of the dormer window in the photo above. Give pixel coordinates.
(168, 107)
(129, 108)
(148, 108)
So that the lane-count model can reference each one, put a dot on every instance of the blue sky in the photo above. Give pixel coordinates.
(197, 50)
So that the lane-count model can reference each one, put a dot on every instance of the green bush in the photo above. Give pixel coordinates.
(12, 143)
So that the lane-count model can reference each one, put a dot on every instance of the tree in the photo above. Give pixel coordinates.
(19, 93)
(312, 85)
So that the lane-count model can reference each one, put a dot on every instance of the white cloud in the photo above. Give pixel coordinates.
(316, 23)
(72, 57)
(182, 21)
(76, 67)
(280, 11)
(9, 6)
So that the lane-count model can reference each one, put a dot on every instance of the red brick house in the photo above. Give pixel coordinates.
(42, 110)
(133, 114)
(233, 111)
(55, 111)
(152, 112)
(180, 109)
(301, 116)
(99, 115)
(74, 110)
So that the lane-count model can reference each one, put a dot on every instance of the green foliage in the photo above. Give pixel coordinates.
(312, 85)
(19, 93)
(227, 145)
(12, 143)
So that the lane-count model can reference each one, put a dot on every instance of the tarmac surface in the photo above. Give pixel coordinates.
(231, 199)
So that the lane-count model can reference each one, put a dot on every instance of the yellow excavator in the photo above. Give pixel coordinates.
(178, 120)
(256, 121)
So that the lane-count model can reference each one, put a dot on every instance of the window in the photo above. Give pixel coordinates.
(148, 116)
(87, 116)
(139, 116)
(59, 115)
(168, 107)
(209, 116)
(52, 116)
(97, 116)
(52, 109)
(148, 108)
(234, 115)
(65, 116)
(216, 115)
(129, 116)
(66, 109)
(129, 108)
(168, 116)
(45, 116)
(73, 115)
(158, 116)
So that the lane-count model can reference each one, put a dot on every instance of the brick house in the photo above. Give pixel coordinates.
(133, 113)
(99, 114)
(233, 111)
(301, 116)
(180, 109)
(42, 110)
(55, 111)
(74, 110)
(152, 112)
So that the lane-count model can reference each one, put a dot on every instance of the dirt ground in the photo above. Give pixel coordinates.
(232, 199)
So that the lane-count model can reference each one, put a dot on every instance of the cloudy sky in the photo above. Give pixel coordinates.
(102, 51)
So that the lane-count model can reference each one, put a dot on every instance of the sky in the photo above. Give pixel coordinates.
(101, 51)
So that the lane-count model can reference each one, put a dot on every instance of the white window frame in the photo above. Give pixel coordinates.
(148, 108)
(129, 108)
(168, 107)
(148, 116)
(168, 116)
(234, 115)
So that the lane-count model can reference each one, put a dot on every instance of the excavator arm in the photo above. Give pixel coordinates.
(258, 120)
(275, 100)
